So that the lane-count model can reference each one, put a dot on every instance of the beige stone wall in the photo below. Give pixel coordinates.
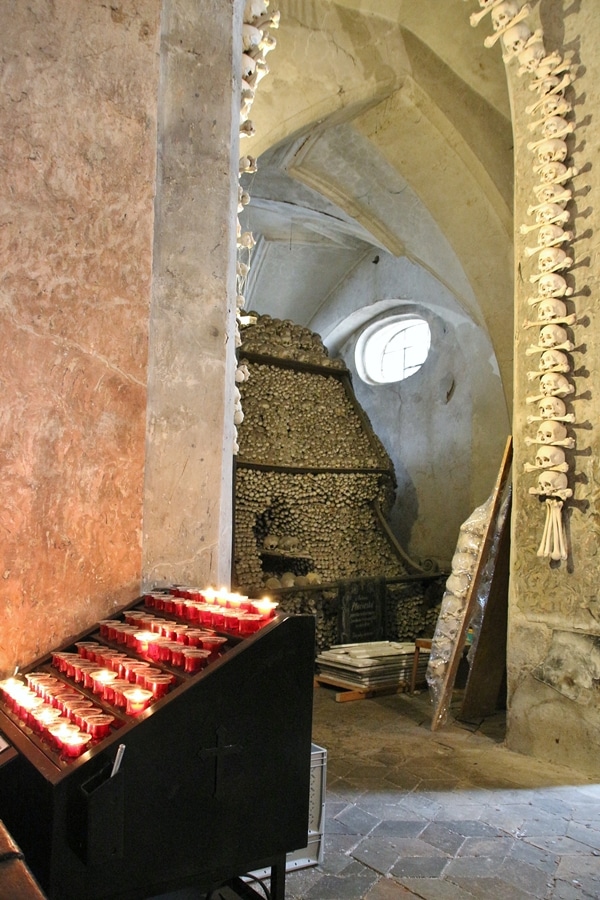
(554, 611)
(78, 147)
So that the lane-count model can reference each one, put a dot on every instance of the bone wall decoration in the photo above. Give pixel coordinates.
(553, 313)
(257, 42)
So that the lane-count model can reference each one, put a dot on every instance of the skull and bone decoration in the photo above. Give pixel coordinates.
(257, 42)
(551, 113)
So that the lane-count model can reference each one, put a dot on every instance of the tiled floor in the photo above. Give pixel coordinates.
(446, 815)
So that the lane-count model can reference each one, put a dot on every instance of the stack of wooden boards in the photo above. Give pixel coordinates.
(371, 667)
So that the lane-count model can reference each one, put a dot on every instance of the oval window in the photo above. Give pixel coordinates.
(392, 349)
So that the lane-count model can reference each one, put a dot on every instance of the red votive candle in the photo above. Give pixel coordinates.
(195, 659)
(213, 642)
(138, 699)
(250, 622)
(265, 607)
(97, 725)
(158, 684)
(75, 744)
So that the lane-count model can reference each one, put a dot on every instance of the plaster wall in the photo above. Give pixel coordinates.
(554, 711)
(436, 425)
(77, 145)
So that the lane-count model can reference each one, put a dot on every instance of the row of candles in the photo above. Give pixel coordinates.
(226, 611)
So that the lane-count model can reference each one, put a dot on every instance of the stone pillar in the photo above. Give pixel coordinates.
(554, 627)
(187, 524)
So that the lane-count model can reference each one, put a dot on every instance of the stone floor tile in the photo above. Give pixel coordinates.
(379, 855)
(541, 859)
(493, 847)
(472, 867)
(585, 834)
(402, 778)
(469, 827)
(494, 888)
(527, 877)
(419, 867)
(570, 890)
(357, 820)
(443, 838)
(352, 884)
(438, 889)
(399, 828)
(559, 844)
(386, 889)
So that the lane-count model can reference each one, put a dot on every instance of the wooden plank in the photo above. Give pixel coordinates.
(355, 692)
(488, 665)
(445, 695)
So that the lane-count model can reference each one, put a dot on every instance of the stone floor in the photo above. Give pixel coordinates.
(445, 815)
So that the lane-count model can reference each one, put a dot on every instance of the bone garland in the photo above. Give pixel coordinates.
(257, 42)
(550, 76)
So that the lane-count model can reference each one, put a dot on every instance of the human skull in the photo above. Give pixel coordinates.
(552, 407)
(551, 431)
(515, 38)
(555, 385)
(554, 105)
(552, 150)
(553, 285)
(553, 193)
(549, 456)
(548, 234)
(552, 482)
(553, 172)
(553, 258)
(556, 125)
(503, 14)
(549, 211)
(254, 10)
(531, 56)
(552, 336)
(553, 359)
(271, 542)
(551, 308)
(248, 66)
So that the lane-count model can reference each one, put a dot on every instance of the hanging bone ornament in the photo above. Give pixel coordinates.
(552, 126)
(549, 236)
(506, 14)
(551, 66)
(251, 36)
(550, 86)
(552, 285)
(552, 484)
(547, 214)
(551, 458)
(555, 172)
(550, 193)
(552, 432)
(552, 384)
(254, 10)
(549, 312)
(486, 7)
(549, 104)
(555, 128)
(552, 408)
(551, 150)
(532, 56)
(551, 259)
(551, 336)
(554, 361)
(514, 39)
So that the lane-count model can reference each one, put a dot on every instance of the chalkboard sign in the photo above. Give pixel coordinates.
(361, 605)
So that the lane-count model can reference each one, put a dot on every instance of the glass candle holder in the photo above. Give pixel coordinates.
(60, 731)
(137, 700)
(265, 607)
(101, 679)
(87, 649)
(75, 744)
(250, 622)
(97, 725)
(195, 659)
(213, 642)
(159, 684)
